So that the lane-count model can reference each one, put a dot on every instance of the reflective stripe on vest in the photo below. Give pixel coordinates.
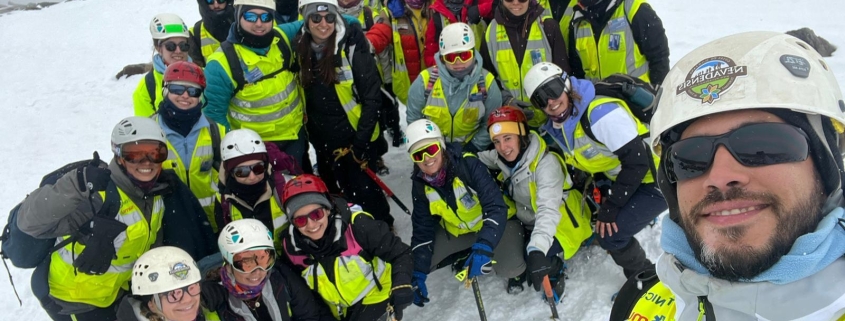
(208, 44)
(280, 220)
(566, 19)
(616, 51)
(463, 125)
(101, 290)
(468, 216)
(346, 92)
(272, 107)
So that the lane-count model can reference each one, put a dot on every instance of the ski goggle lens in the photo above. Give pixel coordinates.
(243, 171)
(551, 90)
(253, 17)
(316, 18)
(253, 260)
(174, 296)
(753, 145)
(212, 1)
(137, 152)
(171, 46)
(455, 57)
(430, 151)
(315, 215)
(180, 89)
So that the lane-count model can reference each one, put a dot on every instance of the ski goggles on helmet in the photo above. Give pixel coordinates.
(171, 46)
(316, 17)
(250, 261)
(455, 57)
(250, 16)
(243, 171)
(315, 215)
(178, 90)
(753, 145)
(430, 151)
(150, 150)
(174, 296)
(551, 90)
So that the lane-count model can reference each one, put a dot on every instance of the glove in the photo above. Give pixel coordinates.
(480, 262)
(93, 178)
(136, 69)
(401, 296)
(538, 268)
(99, 249)
(473, 16)
(397, 135)
(607, 215)
(213, 295)
(420, 290)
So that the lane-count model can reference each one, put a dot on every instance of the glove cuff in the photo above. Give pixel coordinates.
(421, 276)
(481, 246)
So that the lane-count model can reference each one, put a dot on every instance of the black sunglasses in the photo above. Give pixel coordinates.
(171, 46)
(253, 17)
(243, 171)
(180, 89)
(316, 18)
(551, 90)
(218, 1)
(753, 145)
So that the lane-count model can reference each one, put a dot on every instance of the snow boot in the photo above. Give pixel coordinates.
(515, 284)
(631, 258)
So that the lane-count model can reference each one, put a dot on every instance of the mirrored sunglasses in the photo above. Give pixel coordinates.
(253, 17)
(138, 152)
(181, 89)
(427, 151)
(315, 215)
(456, 57)
(243, 171)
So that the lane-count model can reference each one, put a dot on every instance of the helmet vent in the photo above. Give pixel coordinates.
(842, 105)
(824, 65)
(803, 45)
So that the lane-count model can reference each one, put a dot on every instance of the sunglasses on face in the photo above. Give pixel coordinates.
(152, 151)
(315, 215)
(551, 90)
(181, 89)
(427, 151)
(261, 259)
(171, 46)
(243, 171)
(218, 1)
(753, 145)
(456, 57)
(174, 296)
(316, 18)
(253, 17)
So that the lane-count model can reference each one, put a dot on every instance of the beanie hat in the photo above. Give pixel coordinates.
(231, 163)
(506, 127)
(318, 7)
(304, 199)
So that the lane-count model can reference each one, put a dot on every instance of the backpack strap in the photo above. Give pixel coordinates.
(482, 86)
(238, 72)
(438, 23)
(434, 74)
(214, 129)
(368, 18)
(150, 80)
(585, 124)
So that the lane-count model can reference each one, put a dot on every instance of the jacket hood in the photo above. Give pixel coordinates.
(217, 23)
(451, 84)
(440, 7)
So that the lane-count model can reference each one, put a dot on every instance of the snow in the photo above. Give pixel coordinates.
(59, 91)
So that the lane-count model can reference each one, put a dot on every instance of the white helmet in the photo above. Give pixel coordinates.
(303, 3)
(168, 25)
(243, 235)
(163, 269)
(539, 74)
(456, 37)
(268, 4)
(422, 129)
(747, 71)
(241, 142)
(133, 129)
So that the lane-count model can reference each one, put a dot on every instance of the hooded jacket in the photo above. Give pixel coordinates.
(217, 23)
(456, 92)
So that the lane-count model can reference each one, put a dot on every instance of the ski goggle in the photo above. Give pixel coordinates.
(455, 57)
(259, 259)
(150, 150)
(316, 18)
(174, 296)
(250, 16)
(753, 145)
(171, 46)
(181, 89)
(243, 171)
(315, 215)
(551, 90)
(218, 1)
(429, 151)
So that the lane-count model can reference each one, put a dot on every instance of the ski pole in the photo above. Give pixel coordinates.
(550, 298)
(478, 302)
(387, 190)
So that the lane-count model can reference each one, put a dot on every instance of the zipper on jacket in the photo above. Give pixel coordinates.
(705, 309)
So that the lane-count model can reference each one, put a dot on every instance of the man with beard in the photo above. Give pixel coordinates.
(750, 131)
(211, 30)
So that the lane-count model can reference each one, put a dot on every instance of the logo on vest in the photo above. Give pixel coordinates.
(711, 78)
(180, 271)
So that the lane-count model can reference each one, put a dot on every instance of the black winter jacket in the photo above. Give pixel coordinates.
(647, 30)
(475, 175)
(185, 224)
(328, 125)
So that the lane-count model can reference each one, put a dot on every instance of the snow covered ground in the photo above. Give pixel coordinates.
(61, 100)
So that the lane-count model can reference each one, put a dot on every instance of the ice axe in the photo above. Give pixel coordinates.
(386, 190)
(550, 297)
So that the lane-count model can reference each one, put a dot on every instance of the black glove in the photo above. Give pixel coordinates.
(92, 177)
(213, 295)
(99, 249)
(538, 268)
(473, 16)
(397, 135)
(401, 297)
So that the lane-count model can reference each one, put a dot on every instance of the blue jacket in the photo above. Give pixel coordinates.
(475, 175)
(184, 145)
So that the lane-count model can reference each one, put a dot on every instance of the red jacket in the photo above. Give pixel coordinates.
(380, 36)
(432, 36)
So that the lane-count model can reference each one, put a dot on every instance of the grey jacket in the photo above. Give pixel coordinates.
(549, 178)
(456, 93)
(820, 296)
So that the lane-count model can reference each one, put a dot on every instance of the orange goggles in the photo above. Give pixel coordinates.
(427, 151)
(456, 57)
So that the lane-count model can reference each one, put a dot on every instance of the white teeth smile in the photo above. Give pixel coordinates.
(735, 211)
(186, 309)
(145, 170)
(556, 107)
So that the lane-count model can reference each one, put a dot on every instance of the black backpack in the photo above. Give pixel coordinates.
(640, 96)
